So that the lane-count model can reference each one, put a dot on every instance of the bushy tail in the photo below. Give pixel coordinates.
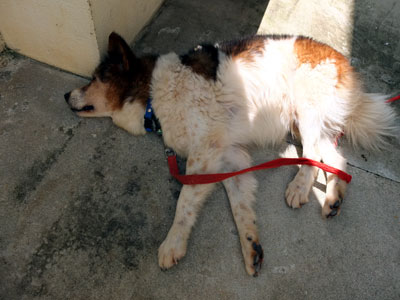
(371, 122)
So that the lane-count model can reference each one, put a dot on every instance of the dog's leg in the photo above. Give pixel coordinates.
(335, 187)
(241, 191)
(298, 190)
(189, 204)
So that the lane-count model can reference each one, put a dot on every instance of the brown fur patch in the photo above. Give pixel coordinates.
(133, 85)
(312, 52)
(245, 49)
(100, 95)
(142, 78)
(124, 75)
(113, 97)
(205, 167)
(115, 82)
(244, 207)
(190, 162)
(203, 60)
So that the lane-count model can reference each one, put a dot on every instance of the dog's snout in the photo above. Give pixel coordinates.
(66, 96)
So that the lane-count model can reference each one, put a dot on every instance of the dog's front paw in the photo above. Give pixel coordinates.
(171, 251)
(253, 254)
(296, 194)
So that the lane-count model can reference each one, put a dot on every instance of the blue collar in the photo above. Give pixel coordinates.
(151, 123)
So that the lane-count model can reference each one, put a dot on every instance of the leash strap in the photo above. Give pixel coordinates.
(393, 99)
(212, 178)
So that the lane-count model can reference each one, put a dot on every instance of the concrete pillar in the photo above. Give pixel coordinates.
(2, 44)
(328, 21)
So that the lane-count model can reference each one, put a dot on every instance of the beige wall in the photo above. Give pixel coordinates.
(2, 44)
(72, 34)
(125, 17)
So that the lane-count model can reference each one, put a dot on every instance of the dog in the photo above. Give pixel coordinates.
(217, 100)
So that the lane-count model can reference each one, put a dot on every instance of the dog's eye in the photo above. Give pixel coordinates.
(94, 78)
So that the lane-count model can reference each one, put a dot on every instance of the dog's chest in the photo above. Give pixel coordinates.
(185, 104)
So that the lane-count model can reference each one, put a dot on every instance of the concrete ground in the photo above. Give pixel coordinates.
(84, 205)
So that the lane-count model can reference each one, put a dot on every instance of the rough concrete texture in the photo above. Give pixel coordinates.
(84, 205)
(306, 14)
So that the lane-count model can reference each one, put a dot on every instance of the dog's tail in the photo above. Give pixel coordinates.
(372, 122)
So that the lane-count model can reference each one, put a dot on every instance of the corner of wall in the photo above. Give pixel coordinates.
(2, 43)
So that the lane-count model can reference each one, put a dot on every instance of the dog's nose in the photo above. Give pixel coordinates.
(66, 96)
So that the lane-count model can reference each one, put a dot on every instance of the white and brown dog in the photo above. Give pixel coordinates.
(215, 101)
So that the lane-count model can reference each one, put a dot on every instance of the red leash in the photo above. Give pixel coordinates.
(212, 178)
(393, 99)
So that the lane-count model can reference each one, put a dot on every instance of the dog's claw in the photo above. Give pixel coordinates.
(336, 205)
(258, 258)
(332, 213)
(335, 208)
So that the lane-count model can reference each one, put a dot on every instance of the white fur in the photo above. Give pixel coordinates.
(258, 102)
(130, 117)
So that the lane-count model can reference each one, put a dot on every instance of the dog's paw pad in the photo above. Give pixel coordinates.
(258, 257)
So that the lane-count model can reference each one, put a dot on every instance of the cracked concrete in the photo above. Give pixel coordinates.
(84, 205)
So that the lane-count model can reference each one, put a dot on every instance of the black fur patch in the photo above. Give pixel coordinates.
(203, 60)
(248, 47)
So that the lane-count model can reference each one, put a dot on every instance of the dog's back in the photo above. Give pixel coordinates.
(269, 85)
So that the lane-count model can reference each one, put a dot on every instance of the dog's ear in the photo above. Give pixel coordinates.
(120, 51)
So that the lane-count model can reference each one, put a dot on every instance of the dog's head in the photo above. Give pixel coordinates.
(120, 80)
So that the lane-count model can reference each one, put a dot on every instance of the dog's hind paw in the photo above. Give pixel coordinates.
(334, 197)
(331, 207)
